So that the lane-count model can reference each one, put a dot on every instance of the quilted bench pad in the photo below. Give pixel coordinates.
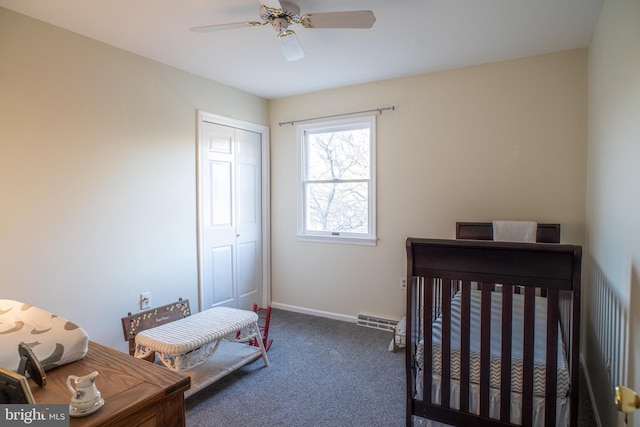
(196, 330)
(191, 341)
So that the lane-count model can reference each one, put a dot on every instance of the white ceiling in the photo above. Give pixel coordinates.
(409, 37)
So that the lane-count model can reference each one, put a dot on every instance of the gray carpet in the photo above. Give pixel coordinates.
(323, 373)
(586, 417)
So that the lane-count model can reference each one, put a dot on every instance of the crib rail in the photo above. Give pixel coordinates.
(441, 269)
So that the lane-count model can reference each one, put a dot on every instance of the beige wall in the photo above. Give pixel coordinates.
(613, 207)
(97, 174)
(500, 141)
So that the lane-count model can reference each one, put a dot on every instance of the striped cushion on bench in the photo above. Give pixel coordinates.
(193, 332)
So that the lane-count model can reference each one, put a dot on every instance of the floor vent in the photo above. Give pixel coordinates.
(376, 322)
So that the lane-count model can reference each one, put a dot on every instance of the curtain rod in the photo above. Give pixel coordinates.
(379, 110)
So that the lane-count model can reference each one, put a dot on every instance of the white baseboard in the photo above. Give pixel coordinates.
(593, 402)
(312, 312)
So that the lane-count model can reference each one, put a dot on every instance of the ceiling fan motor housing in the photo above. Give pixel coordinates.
(280, 24)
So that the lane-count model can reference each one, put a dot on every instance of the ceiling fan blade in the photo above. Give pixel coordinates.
(230, 26)
(290, 45)
(270, 3)
(290, 9)
(351, 19)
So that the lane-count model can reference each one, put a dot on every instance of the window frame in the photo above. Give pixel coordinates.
(368, 238)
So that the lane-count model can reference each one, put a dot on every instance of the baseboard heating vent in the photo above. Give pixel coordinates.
(376, 322)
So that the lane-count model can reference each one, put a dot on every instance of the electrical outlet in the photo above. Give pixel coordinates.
(403, 283)
(145, 300)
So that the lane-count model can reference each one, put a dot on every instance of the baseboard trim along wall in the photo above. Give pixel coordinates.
(312, 312)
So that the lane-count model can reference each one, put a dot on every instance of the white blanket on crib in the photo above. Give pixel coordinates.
(515, 231)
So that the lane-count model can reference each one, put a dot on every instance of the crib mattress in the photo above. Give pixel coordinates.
(563, 382)
(515, 403)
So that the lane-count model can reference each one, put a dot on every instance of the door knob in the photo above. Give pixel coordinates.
(627, 400)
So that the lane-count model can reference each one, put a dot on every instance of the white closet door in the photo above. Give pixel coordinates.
(248, 218)
(230, 225)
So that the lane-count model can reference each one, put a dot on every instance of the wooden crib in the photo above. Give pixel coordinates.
(493, 330)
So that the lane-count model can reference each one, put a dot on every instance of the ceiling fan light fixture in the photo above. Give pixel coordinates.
(290, 45)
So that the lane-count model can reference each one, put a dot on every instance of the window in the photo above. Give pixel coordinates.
(336, 187)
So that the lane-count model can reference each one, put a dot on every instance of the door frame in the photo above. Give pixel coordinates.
(203, 116)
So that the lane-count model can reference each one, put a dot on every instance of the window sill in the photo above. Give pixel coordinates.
(338, 239)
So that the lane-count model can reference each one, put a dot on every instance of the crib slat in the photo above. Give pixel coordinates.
(465, 340)
(427, 304)
(552, 358)
(446, 343)
(574, 347)
(505, 360)
(485, 349)
(437, 299)
(528, 349)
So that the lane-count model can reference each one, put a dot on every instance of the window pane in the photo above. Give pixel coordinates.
(337, 207)
(343, 154)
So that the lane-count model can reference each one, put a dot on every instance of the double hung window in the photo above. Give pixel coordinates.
(336, 186)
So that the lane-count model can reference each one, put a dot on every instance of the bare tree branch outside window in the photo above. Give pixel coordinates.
(338, 179)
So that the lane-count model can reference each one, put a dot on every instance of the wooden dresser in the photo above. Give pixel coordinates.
(136, 392)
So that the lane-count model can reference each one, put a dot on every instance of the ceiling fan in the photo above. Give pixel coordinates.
(289, 13)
